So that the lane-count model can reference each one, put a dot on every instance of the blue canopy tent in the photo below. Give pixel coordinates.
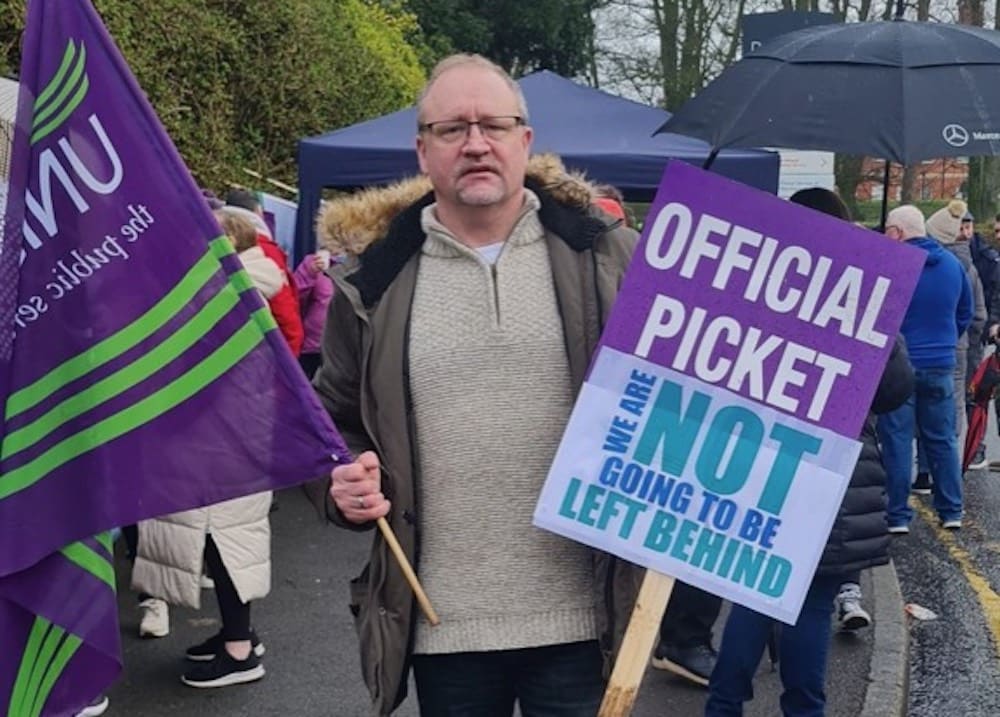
(608, 137)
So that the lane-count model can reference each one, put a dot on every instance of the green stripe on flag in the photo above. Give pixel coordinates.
(125, 378)
(181, 389)
(79, 71)
(81, 555)
(19, 703)
(221, 247)
(265, 320)
(116, 344)
(56, 82)
(63, 656)
(43, 658)
(241, 281)
(105, 540)
(43, 132)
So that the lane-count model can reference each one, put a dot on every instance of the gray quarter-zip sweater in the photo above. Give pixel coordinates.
(491, 393)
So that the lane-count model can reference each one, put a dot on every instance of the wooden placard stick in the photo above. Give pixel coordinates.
(411, 577)
(640, 635)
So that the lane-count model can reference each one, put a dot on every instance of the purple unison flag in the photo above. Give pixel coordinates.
(140, 372)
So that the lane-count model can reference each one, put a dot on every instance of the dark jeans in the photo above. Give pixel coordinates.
(803, 650)
(689, 618)
(930, 411)
(554, 681)
(131, 535)
(235, 614)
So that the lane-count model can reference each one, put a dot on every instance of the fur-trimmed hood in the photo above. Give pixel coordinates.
(351, 224)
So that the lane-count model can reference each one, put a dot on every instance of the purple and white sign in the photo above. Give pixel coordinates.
(716, 432)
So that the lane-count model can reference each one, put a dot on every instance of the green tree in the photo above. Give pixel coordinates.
(237, 83)
(309, 66)
(180, 52)
(520, 35)
(11, 26)
(452, 26)
(984, 172)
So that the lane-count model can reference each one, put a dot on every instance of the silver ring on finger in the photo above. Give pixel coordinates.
(361, 502)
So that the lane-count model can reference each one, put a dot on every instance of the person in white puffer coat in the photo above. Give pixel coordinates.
(232, 539)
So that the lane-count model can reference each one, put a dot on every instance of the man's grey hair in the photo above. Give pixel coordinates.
(466, 59)
(909, 219)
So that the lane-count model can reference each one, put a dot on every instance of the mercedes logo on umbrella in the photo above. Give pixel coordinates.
(956, 135)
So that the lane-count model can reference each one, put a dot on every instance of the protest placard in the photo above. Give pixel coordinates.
(716, 432)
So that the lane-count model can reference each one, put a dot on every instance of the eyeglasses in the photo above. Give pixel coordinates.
(451, 131)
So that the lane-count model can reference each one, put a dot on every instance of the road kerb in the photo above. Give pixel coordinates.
(888, 673)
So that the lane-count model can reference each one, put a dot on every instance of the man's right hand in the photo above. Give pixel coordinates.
(356, 489)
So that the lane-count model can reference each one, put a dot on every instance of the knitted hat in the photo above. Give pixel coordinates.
(945, 223)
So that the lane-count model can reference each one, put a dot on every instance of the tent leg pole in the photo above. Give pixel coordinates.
(885, 195)
(711, 158)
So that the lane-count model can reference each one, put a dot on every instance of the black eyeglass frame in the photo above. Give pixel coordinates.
(519, 121)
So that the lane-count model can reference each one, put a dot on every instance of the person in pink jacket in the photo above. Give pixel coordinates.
(315, 291)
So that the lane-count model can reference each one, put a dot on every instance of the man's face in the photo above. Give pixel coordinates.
(966, 229)
(996, 231)
(473, 168)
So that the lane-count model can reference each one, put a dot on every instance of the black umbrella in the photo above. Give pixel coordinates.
(902, 91)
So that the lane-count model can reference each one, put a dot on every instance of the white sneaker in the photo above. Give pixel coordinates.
(850, 615)
(155, 620)
(96, 708)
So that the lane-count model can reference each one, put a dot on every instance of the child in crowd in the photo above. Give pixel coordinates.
(315, 292)
(232, 538)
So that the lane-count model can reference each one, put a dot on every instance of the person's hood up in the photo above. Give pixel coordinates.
(932, 246)
(258, 221)
(351, 223)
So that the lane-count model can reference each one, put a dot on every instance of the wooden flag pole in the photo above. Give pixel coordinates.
(411, 577)
(640, 635)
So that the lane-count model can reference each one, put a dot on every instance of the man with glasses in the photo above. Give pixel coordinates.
(939, 312)
(455, 346)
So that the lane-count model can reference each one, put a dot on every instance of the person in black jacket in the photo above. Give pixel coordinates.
(987, 260)
(859, 539)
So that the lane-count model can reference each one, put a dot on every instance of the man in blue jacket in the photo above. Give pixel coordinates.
(939, 313)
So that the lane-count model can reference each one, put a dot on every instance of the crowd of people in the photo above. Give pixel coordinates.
(448, 346)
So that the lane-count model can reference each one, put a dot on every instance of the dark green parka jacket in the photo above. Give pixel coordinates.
(363, 384)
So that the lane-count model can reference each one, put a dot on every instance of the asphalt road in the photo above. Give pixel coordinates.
(954, 660)
(311, 660)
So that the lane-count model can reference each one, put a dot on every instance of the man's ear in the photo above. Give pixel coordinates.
(421, 150)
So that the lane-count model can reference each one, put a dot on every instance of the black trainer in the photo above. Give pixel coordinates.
(214, 645)
(693, 663)
(224, 670)
(922, 484)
